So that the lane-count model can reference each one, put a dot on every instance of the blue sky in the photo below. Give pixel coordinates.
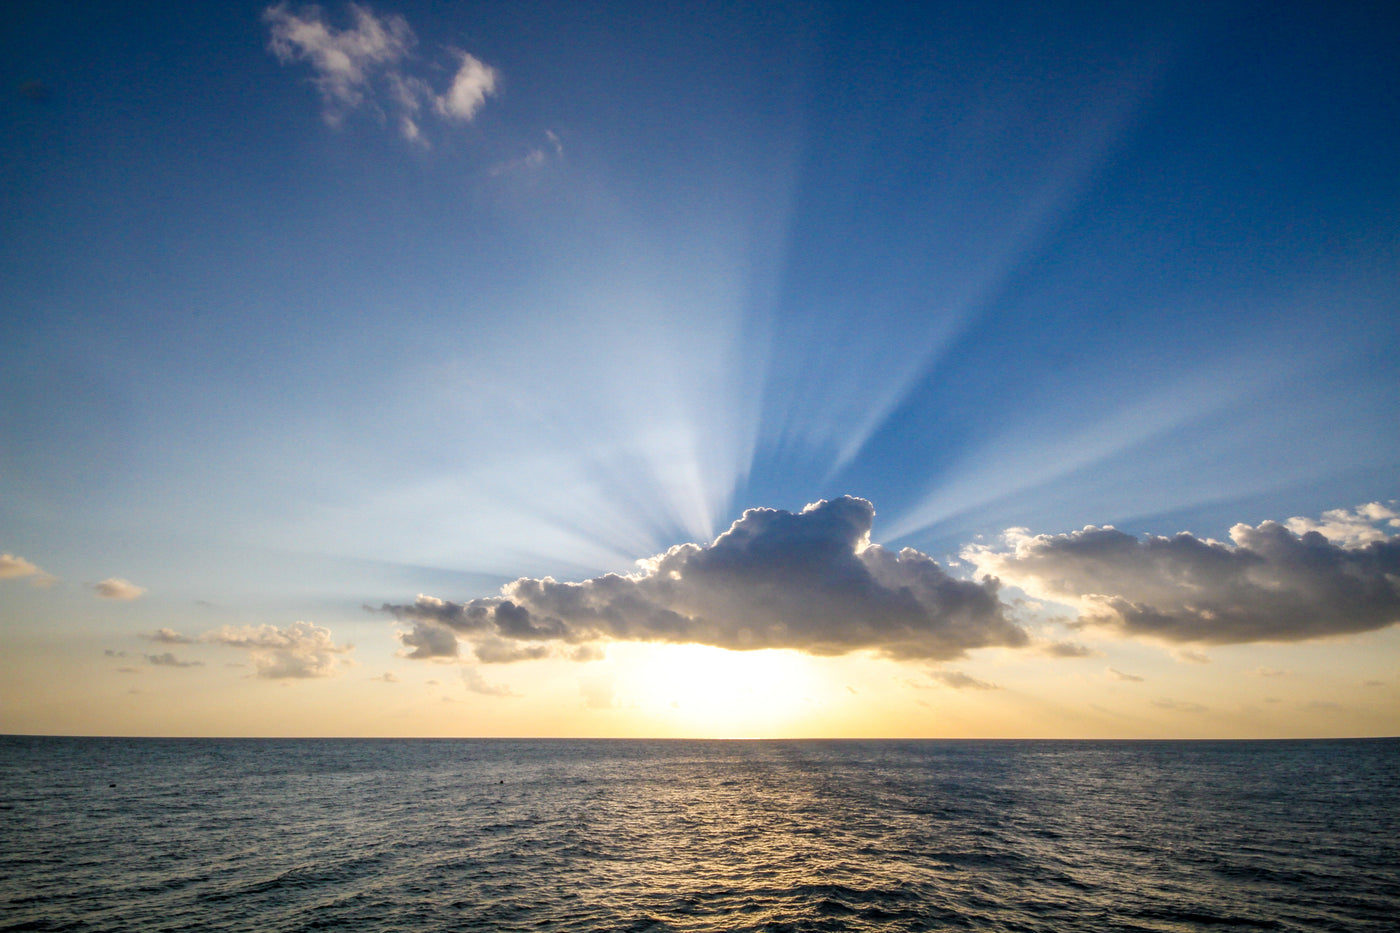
(285, 333)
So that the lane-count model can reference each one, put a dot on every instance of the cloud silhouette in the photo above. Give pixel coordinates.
(810, 581)
(1276, 582)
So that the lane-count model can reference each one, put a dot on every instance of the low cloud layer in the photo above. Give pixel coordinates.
(366, 66)
(1275, 582)
(809, 581)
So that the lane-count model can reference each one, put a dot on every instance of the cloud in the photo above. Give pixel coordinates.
(1116, 674)
(365, 66)
(477, 684)
(471, 85)
(960, 681)
(13, 567)
(809, 581)
(166, 636)
(1269, 672)
(299, 650)
(1350, 527)
(167, 659)
(388, 677)
(1067, 649)
(117, 588)
(1272, 583)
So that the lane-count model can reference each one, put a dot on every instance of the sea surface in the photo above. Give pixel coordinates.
(148, 835)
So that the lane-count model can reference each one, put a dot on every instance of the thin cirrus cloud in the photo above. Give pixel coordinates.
(809, 581)
(1277, 582)
(366, 66)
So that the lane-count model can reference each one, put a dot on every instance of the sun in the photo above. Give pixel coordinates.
(696, 690)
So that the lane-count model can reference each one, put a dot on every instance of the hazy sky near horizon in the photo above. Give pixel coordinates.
(951, 369)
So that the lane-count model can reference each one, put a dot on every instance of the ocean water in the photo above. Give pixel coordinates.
(422, 835)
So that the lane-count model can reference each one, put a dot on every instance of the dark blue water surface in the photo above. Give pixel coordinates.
(422, 835)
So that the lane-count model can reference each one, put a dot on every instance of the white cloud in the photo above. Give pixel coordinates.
(117, 588)
(1271, 584)
(297, 651)
(365, 66)
(471, 85)
(1349, 527)
(13, 567)
(809, 581)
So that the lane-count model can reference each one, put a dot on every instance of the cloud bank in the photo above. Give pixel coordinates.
(365, 66)
(809, 581)
(1278, 582)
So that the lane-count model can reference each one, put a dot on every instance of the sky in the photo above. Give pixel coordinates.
(717, 369)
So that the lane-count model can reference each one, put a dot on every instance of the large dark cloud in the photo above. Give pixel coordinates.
(810, 581)
(1275, 582)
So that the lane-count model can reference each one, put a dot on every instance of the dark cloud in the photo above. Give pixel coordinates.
(809, 581)
(1271, 584)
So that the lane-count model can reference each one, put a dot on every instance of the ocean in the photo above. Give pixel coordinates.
(266, 835)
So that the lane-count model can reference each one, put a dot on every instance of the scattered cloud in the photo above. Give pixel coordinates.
(471, 85)
(810, 581)
(13, 567)
(960, 681)
(1115, 674)
(365, 66)
(1269, 672)
(166, 636)
(477, 684)
(117, 588)
(388, 677)
(1190, 656)
(166, 659)
(1067, 649)
(585, 653)
(299, 650)
(1273, 583)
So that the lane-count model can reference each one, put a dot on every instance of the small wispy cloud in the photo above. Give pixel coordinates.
(117, 588)
(1115, 674)
(14, 567)
(166, 659)
(961, 681)
(365, 65)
